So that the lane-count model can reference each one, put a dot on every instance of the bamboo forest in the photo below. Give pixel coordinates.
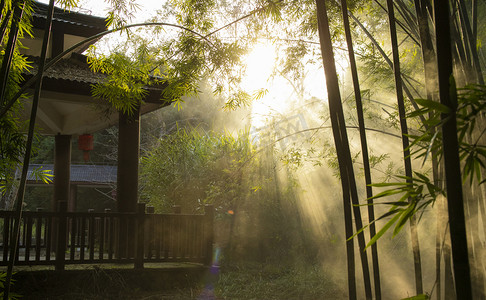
(246, 149)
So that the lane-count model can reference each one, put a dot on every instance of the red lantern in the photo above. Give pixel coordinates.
(85, 143)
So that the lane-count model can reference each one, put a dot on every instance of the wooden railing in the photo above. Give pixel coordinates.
(60, 238)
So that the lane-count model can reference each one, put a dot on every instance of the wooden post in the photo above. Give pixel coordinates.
(127, 177)
(62, 169)
(208, 233)
(61, 236)
(128, 156)
(139, 235)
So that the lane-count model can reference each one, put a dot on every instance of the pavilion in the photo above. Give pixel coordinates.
(67, 110)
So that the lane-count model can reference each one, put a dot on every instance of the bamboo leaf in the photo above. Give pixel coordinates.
(386, 193)
(405, 215)
(433, 105)
(418, 297)
(382, 231)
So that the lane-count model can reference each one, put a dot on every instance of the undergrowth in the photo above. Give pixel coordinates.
(256, 281)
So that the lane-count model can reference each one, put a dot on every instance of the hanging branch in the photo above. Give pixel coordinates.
(405, 143)
(28, 150)
(450, 148)
(54, 60)
(343, 153)
(364, 149)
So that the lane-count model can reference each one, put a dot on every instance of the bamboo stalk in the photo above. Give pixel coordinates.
(452, 168)
(405, 143)
(430, 74)
(28, 150)
(364, 149)
(341, 140)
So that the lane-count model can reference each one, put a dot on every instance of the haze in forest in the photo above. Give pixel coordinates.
(267, 159)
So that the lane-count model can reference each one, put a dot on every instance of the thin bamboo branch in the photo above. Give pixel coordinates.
(407, 31)
(387, 60)
(470, 41)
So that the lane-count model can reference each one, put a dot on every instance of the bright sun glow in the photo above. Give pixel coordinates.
(259, 67)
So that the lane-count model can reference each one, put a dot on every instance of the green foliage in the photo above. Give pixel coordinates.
(129, 74)
(42, 174)
(193, 168)
(3, 278)
(471, 101)
(12, 140)
(419, 192)
(415, 195)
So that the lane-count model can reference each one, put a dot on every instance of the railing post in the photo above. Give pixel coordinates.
(61, 236)
(150, 226)
(209, 234)
(38, 234)
(140, 234)
(91, 234)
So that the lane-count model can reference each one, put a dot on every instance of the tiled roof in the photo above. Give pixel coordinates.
(73, 69)
(90, 23)
(82, 174)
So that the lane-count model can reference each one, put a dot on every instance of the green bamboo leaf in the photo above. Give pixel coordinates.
(405, 216)
(382, 231)
(433, 105)
(418, 297)
(418, 113)
(395, 203)
(386, 193)
(424, 178)
(384, 184)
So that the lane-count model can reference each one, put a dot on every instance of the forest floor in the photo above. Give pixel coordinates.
(176, 281)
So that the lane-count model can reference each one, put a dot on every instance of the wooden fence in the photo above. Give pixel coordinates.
(60, 238)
